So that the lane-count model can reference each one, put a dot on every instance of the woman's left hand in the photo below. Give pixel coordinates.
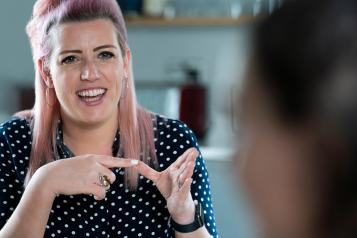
(174, 184)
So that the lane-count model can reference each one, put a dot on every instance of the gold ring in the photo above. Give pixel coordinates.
(104, 181)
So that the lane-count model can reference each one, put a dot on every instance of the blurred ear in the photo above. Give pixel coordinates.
(45, 72)
(127, 62)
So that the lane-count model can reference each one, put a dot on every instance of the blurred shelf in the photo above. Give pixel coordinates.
(190, 21)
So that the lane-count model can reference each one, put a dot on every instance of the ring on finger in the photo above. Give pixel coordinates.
(104, 181)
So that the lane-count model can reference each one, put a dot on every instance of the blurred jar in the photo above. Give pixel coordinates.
(154, 7)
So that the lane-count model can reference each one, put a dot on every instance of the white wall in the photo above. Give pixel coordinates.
(15, 62)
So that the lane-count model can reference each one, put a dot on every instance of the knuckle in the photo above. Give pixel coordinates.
(102, 193)
(88, 156)
(99, 194)
(112, 177)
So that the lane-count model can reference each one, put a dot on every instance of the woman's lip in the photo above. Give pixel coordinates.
(91, 88)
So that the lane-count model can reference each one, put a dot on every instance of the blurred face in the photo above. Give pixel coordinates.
(87, 71)
(273, 165)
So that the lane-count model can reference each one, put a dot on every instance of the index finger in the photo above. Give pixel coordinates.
(147, 171)
(114, 162)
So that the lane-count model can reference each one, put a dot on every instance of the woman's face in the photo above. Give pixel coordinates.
(87, 70)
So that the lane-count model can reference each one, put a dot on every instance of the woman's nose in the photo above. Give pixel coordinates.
(90, 72)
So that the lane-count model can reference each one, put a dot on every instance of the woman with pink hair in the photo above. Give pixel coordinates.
(87, 160)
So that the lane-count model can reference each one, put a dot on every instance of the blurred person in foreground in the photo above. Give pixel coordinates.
(298, 115)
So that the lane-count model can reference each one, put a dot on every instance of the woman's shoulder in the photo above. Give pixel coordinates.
(173, 138)
(15, 137)
(15, 145)
(15, 126)
(170, 123)
(169, 127)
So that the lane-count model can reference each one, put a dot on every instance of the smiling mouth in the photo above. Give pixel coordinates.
(91, 95)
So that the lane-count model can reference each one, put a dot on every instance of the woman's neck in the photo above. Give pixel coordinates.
(90, 139)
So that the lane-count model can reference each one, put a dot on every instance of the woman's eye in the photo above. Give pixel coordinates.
(106, 55)
(69, 60)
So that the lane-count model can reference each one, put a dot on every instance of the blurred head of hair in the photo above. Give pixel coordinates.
(298, 113)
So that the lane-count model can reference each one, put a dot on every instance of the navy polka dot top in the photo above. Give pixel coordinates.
(123, 213)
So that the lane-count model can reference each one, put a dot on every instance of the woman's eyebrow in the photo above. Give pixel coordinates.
(70, 51)
(103, 47)
(94, 50)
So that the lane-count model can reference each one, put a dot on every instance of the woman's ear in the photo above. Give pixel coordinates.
(45, 72)
(127, 62)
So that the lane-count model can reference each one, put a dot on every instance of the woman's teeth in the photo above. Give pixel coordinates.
(91, 93)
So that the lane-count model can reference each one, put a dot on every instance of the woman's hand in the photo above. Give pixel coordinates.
(79, 175)
(174, 184)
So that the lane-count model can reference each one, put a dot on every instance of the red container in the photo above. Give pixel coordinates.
(193, 108)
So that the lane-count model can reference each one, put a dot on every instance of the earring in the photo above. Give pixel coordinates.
(47, 97)
(125, 88)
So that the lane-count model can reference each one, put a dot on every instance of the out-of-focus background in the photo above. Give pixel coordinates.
(188, 56)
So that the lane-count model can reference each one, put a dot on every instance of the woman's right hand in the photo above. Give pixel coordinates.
(78, 175)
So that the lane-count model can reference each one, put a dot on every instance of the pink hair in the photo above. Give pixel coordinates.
(135, 123)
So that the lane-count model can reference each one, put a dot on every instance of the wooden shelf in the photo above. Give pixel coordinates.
(189, 21)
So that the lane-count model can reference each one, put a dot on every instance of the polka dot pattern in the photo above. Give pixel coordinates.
(123, 213)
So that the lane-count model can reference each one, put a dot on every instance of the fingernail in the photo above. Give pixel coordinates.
(134, 162)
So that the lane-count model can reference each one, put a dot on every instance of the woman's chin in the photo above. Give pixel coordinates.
(94, 118)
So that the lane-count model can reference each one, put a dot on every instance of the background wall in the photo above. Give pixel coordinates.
(16, 62)
(219, 52)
